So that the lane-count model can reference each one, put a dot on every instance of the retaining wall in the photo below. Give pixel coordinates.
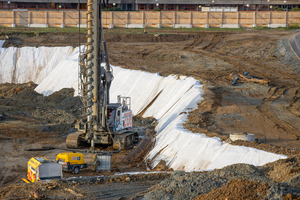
(151, 19)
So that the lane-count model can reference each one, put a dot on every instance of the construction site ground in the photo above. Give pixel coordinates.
(269, 109)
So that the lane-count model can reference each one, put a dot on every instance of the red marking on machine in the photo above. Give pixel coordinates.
(127, 117)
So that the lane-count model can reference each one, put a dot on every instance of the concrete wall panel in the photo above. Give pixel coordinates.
(246, 15)
(294, 21)
(166, 19)
(151, 19)
(199, 22)
(5, 14)
(279, 15)
(230, 21)
(6, 18)
(293, 14)
(120, 19)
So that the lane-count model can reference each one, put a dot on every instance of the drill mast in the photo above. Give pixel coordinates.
(94, 79)
(103, 123)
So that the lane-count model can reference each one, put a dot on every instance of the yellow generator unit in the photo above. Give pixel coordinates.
(41, 169)
(71, 161)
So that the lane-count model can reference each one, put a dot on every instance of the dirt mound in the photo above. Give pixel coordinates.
(241, 179)
(290, 197)
(183, 185)
(243, 169)
(25, 90)
(20, 101)
(284, 169)
(237, 189)
(35, 39)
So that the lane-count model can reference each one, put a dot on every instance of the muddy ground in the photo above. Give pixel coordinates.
(270, 111)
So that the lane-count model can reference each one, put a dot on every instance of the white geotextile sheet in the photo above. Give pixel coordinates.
(173, 96)
(184, 150)
(21, 65)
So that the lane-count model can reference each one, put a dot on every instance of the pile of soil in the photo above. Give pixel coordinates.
(283, 170)
(237, 189)
(55, 113)
(238, 181)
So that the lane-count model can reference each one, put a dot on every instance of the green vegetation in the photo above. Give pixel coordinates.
(278, 9)
(295, 9)
(260, 28)
(157, 9)
(204, 29)
(291, 27)
(112, 9)
(35, 31)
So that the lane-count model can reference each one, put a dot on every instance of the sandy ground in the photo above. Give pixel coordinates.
(270, 111)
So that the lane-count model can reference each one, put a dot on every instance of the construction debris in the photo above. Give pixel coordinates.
(246, 78)
(254, 79)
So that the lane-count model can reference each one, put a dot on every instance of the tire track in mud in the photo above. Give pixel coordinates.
(145, 52)
(216, 39)
(265, 110)
(294, 105)
(241, 64)
(195, 43)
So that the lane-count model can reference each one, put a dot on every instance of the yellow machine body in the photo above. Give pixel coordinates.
(39, 168)
(71, 158)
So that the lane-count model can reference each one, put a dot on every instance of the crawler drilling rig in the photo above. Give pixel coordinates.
(103, 123)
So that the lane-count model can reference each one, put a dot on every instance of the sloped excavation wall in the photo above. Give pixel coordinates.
(174, 96)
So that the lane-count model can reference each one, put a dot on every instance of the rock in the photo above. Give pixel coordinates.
(127, 179)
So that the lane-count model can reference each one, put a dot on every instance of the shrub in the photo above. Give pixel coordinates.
(293, 26)
(278, 9)
(112, 9)
(295, 9)
(157, 9)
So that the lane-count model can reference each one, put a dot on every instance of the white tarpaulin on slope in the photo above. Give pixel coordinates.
(180, 148)
(21, 65)
(64, 75)
(184, 150)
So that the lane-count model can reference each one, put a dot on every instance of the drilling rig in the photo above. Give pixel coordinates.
(103, 123)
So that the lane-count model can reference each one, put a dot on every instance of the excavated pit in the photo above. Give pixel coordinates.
(268, 111)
